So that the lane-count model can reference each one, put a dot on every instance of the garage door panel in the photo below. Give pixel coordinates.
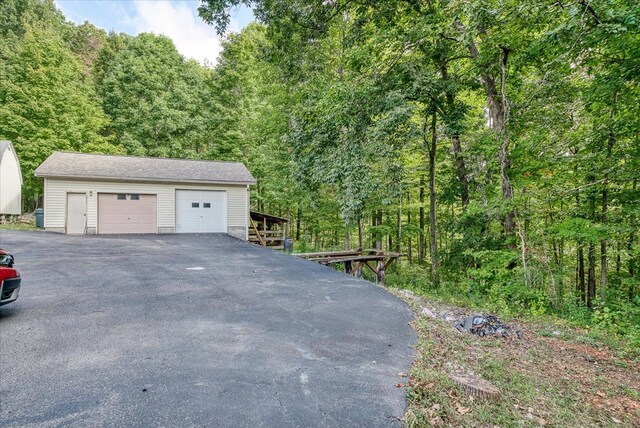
(201, 211)
(127, 215)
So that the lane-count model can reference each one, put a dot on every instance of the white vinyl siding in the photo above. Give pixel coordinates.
(237, 207)
(56, 190)
(10, 183)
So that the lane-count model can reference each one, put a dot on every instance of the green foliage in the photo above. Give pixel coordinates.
(45, 105)
(152, 97)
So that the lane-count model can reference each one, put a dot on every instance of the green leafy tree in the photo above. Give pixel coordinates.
(147, 95)
(45, 104)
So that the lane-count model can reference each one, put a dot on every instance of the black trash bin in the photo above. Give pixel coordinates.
(288, 245)
(39, 213)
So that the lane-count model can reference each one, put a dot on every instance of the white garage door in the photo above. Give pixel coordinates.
(127, 213)
(201, 211)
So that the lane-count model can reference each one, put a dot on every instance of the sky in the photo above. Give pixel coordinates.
(176, 19)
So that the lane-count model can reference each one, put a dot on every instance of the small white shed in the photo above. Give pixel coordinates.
(10, 180)
(105, 194)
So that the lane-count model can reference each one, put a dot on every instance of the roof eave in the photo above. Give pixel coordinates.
(143, 180)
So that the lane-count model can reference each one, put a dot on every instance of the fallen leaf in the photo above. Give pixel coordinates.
(402, 374)
(400, 385)
(433, 410)
(601, 394)
(462, 410)
(617, 421)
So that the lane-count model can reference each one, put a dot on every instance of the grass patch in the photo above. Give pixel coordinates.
(545, 380)
(18, 226)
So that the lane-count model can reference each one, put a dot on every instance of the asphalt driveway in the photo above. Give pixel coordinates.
(194, 330)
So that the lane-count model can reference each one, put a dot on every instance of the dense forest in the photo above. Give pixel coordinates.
(494, 143)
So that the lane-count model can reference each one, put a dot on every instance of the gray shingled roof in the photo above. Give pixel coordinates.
(131, 168)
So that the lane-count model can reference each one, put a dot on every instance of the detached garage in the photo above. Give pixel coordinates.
(85, 193)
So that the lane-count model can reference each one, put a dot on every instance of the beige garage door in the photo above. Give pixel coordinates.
(127, 213)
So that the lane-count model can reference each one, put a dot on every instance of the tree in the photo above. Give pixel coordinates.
(45, 104)
(147, 97)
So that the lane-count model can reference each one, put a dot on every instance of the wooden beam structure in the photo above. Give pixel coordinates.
(267, 230)
(376, 260)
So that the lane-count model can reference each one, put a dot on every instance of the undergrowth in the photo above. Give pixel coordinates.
(612, 322)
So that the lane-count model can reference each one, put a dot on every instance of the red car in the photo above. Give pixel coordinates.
(9, 279)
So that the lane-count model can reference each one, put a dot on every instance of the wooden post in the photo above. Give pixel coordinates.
(287, 229)
(347, 267)
(259, 236)
(380, 273)
(358, 272)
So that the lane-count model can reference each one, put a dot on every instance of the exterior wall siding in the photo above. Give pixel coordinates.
(236, 207)
(56, 195)
(10, 185)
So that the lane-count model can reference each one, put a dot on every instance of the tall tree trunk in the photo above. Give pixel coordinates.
(560, 269)
(630, 244)
(360, 232)
(580, 283)
(433, 246)
(287, 232)
(398, 228)
(259, 198)
(461, 170)
(591, 278)
(498, 106)
(379, 238)
(390, 236)
(632, 260)
(603, 242)
(581, 290)
(298, 223)
(374, 218)
(421, 240)
(409, 246)
(605, 201)
(347, 238)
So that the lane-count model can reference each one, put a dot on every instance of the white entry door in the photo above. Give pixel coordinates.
(76, 213)
(201, 211)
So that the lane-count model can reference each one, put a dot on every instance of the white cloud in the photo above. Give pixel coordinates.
(180, 22)
(176, 19)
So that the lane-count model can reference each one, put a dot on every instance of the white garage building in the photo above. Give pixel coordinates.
(86, 193)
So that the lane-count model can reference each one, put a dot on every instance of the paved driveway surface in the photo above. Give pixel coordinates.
(194, 330)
